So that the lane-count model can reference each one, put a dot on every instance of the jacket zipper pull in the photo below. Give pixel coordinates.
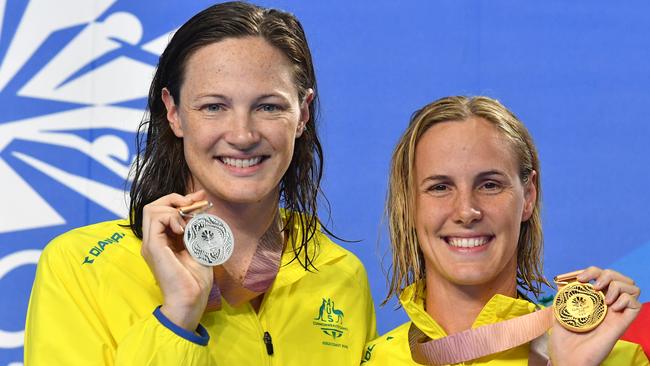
(269, 343)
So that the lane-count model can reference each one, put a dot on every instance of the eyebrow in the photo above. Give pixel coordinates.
(210, 95)
(229, 100)
(490, 173)
(437, 177)
(481, 175)
(271, 95)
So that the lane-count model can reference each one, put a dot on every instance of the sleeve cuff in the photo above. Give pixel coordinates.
(201, 339)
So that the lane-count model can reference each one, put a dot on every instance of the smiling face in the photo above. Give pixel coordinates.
(470, 203)
(239, 115)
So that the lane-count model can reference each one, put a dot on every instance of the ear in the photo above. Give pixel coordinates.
(304, 111)
(172, 113)
(530, 196)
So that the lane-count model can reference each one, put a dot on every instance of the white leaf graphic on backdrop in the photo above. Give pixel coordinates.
(118, 80)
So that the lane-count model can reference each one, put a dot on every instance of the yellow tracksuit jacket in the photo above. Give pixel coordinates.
(94, 302)
(393, 347)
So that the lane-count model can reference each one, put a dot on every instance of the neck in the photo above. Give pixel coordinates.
(455, 307)
(251, 225)
(248, 220)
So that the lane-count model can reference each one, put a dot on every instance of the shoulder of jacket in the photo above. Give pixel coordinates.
(391, 346)
(331, 252)
(85, 244)
(392, 336)
(626, 353)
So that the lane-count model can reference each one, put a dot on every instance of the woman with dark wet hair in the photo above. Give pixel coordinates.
(231, 133)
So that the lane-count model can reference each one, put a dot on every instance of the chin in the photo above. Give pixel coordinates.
(470, 277)
(246, 195)
(242, 199)
(467, 281)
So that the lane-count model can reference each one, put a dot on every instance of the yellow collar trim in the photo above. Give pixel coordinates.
(320, 248)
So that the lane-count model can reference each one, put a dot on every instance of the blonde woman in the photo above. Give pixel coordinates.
(465, 228)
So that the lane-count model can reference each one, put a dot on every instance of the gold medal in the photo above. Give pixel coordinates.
(579, 307)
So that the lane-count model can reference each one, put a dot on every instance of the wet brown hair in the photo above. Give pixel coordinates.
(161, 152)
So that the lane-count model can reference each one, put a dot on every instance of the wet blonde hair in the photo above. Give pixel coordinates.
(408, 264)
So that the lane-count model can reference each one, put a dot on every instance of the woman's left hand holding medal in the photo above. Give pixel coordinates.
(591, 348)
(184, 282)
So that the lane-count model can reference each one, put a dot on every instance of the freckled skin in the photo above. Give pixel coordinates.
(238, 100)
(468, 186)
(239, 116)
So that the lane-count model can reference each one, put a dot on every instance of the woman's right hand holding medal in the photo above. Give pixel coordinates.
(184, 282)
(592, 347)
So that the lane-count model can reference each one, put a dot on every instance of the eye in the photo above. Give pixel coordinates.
(212, 107)
(268, 107)
(491, 186)
(438, 188)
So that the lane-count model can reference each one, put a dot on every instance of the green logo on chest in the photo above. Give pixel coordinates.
(330, 319)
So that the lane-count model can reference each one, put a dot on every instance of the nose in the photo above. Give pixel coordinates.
(467, 210)
(242, 133)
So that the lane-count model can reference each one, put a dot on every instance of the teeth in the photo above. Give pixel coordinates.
(467, 242)
(242, 163)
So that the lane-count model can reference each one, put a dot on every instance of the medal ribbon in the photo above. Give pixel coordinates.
(479, 342)
(259, 274)
(265, 264)
(493, 338)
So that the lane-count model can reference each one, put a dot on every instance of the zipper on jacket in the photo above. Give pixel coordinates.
(269, 343)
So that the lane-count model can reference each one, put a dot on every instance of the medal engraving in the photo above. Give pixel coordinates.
(579, 307)
(208, 239)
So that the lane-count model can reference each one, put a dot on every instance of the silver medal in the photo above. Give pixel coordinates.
(208, 239)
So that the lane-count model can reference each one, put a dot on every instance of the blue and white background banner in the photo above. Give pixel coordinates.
(74, 76)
